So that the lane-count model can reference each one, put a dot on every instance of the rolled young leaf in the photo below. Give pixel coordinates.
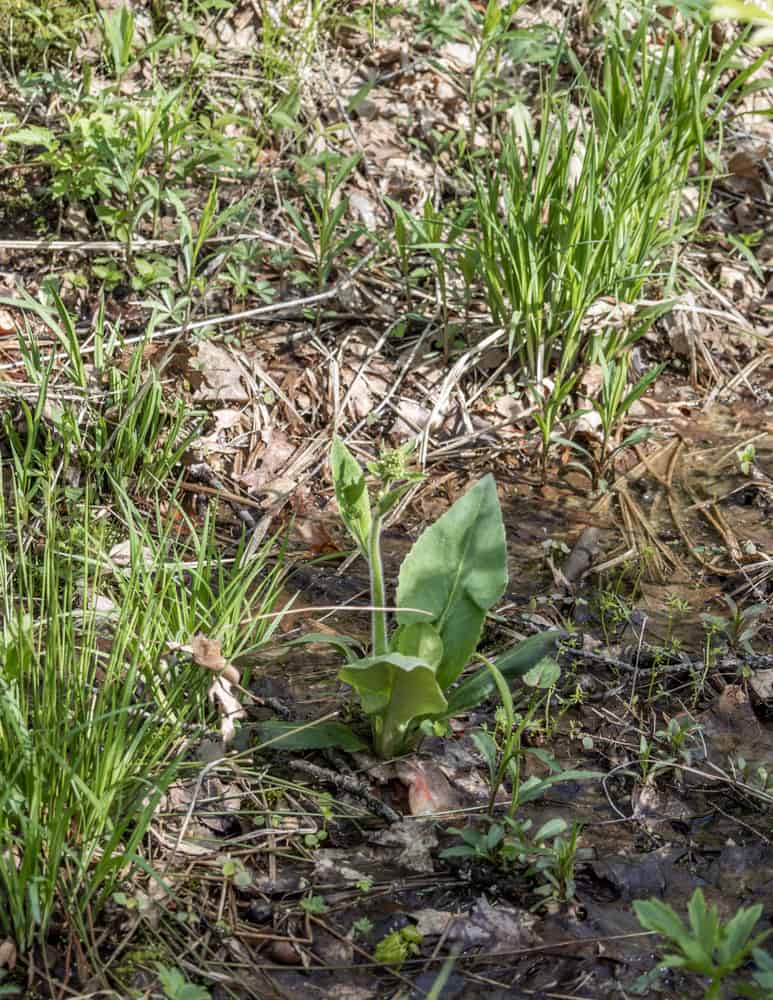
(351, 493)
(457, 570)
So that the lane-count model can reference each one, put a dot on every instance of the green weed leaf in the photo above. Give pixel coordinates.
(514, 663)
(33, 135)
(301, 736)
(380, 681)
(659, 917)
(543, 674)
(396, 691)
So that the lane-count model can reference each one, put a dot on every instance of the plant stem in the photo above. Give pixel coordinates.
(378, 615)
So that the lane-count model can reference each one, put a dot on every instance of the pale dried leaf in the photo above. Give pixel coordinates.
(7, 954)
(206, 653)
(221, 693)
(121, 555)
(459, 54)
(221, 373)
(429, 790)
(7, 323)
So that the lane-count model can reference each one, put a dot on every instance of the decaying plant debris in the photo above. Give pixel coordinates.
(293, 295)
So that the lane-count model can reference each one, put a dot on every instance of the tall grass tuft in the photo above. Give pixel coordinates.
(96, 716)
(588, 204)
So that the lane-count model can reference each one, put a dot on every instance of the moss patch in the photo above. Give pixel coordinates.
(31, 29)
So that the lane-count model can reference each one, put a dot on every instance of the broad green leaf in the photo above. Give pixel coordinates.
(351, 493)
(763, 974)
(552, 828)
(494, 836)
(419, 639)
(457, 570)
(301, 736)
(704, 921)
(543, 674)
(32, 135)
(738, 931)
(514, 663)
(381, 680)
(415, 693)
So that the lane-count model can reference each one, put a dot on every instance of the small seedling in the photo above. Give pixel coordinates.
(177, 987)
(706, 947)
(398, 945)
(611, 406)
(503, 750)
(739, 628)
(746, 457)
(314, 905)
(323, 178)
(362, 926)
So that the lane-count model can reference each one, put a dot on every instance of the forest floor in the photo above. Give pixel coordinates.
(231, 230)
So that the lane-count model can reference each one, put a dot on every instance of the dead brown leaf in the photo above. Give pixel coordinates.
(745, 166)
(429, 790)
(221, 375)
(206, 653)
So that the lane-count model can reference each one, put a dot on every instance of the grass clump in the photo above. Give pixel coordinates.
(96, 714)
(97, 592)
(588, 205)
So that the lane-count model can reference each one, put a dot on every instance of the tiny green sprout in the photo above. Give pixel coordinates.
(177, 987)
(398, 945)
(365, 884)
(314, 904)
(434, 727)
(746, 457)
(315, 839)
(362, 926)
(325, 803)
(234, 869)
(228, 867)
